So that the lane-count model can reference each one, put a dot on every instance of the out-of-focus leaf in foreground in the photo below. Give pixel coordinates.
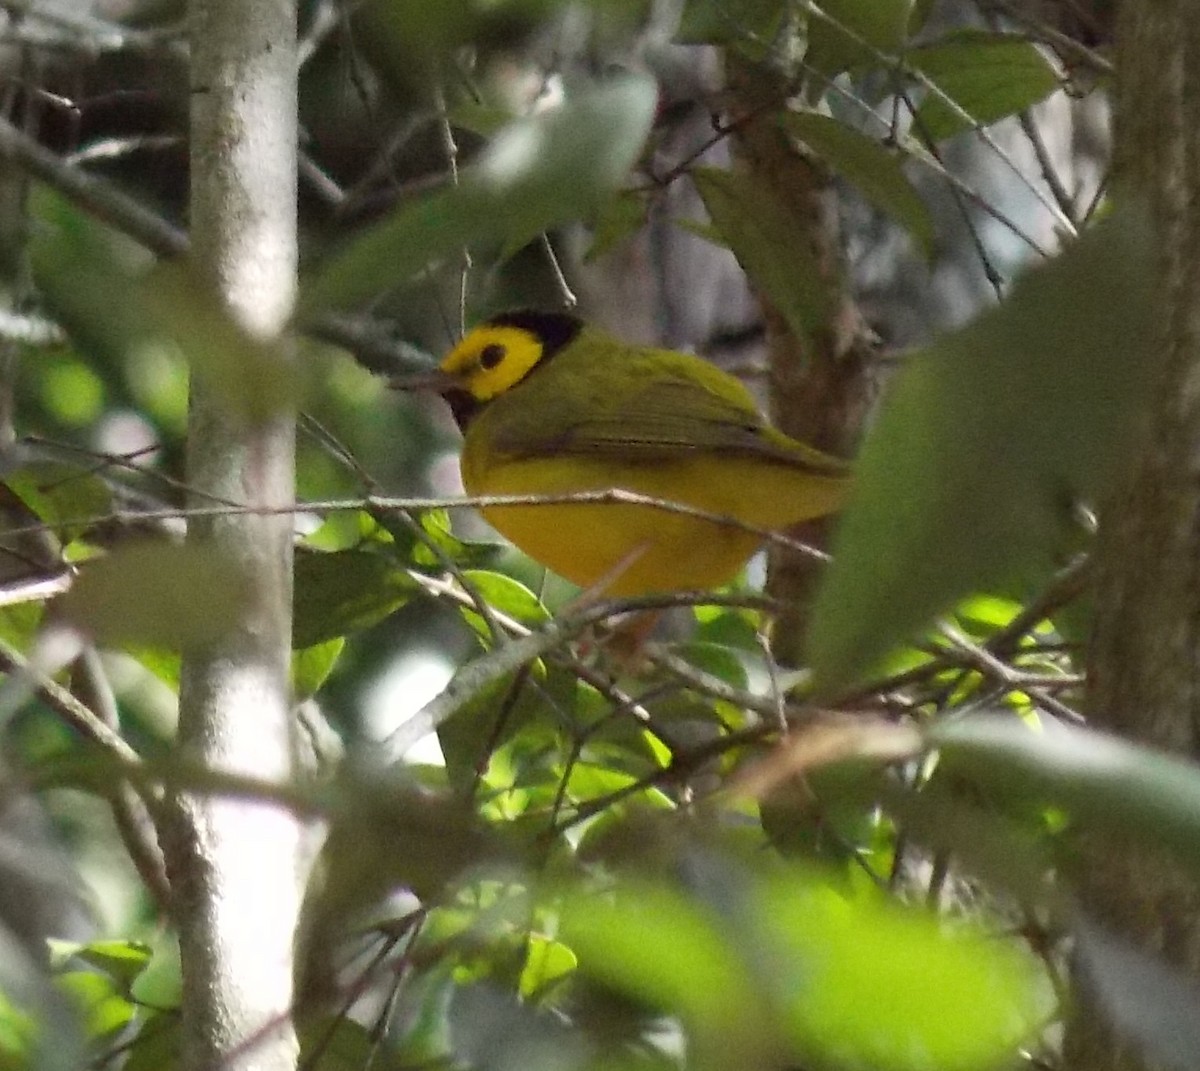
(116, 306)
(1146, 1000)
(161, 594)
(1099, 780)
(791, 969)
(987, 438)
(537, 173)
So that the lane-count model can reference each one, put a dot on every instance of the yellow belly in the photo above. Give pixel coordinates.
(634, 550)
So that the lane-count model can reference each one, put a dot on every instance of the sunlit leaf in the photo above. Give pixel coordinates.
(546, 962)
(507, 596)
(123, 960)
(103, 1009)
(864, 983)
(966, 481)
(311, 666)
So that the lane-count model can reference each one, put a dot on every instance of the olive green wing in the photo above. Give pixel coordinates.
(664, 412)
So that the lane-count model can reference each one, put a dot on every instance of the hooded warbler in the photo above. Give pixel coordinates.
(550, 405)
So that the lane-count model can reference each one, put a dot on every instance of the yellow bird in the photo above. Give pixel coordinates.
(550, 405)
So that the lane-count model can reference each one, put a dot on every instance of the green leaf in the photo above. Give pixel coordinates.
(160, 985)
(983, 443)
(865, 983)
(877, 173)
(157, 1045)
(123, 960)
(852, 33)
(412, 41)
(311, 666)
(118, 308)
(789, 968)
(1147, 1001)
(508, 596)
(1099, 780)
(989, 76)
(546, 962)
(164, 594)
(620, 217)
(652, 943)
(771, 242)
(61, 496)
(104, 1010)
(724, 22)
(345, 591)
(536, 174)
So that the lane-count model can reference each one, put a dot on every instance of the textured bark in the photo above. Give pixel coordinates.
(234, 864)
(820, 391)
(1144, 682)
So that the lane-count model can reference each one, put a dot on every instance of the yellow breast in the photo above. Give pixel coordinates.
(634, 549)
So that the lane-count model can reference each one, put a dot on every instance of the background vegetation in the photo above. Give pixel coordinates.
(850, 822)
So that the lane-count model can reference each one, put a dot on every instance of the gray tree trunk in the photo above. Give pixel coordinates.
(234, 864)
(1143, 662)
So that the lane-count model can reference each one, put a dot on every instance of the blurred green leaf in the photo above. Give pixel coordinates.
(1098, 780)
(1148, 1001)
(63, 497)
(536, 174)
(123, 960)
(877, 173)
(339, 592)
(771, 242)
(162, 594)
(412, 41)
(982, 445)
(716, 660)
(17, 1032)
(654, 944)
(787, 968)
(866, 983)
(157, 1045)
(546, 962)
(731, 22)
(160, 985)
(116, 307)
(616, 222)
(103, 1008)
(989, 76)
(336, 1044)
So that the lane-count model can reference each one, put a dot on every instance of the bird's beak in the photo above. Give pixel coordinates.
(433, 380)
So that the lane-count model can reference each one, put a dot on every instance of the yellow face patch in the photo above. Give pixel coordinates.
(490, 360)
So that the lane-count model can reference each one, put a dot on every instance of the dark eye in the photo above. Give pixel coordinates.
(491, 355)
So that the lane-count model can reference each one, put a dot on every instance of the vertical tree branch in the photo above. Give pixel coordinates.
(820, 391)
(234, 865)
(1143, 679)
